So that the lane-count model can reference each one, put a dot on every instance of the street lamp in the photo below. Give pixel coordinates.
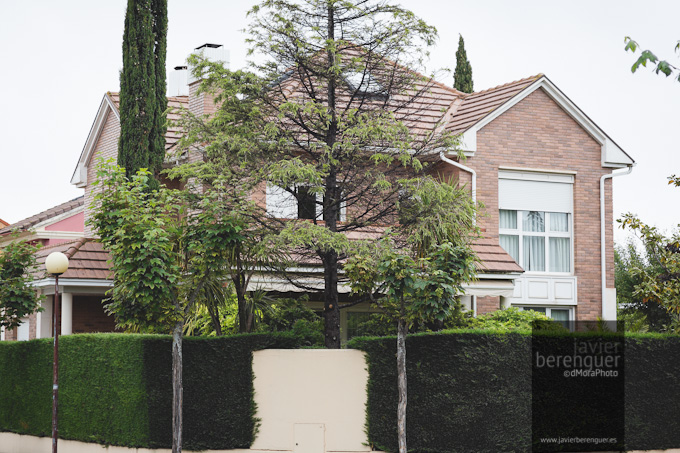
(55, 264)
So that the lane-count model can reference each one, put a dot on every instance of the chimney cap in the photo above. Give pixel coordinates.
(211, 46)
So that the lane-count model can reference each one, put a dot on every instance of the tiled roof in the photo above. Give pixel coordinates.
(493, 258)
(476, 106)
(175, 103)
(87, 260)
(3, 223)
(45, 215)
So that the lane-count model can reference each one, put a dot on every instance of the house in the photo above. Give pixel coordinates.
(541, 167)
(3, 224)
(60, 224)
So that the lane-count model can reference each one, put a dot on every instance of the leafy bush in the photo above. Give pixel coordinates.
(511, 320)
(292, 315)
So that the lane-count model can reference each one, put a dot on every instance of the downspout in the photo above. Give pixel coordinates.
(603, 247)
(469, 170)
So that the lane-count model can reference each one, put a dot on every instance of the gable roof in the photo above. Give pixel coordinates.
(110, 104)
(475, 106)
(466, 114)
(87, 260)
(36, 219)
(480, 108)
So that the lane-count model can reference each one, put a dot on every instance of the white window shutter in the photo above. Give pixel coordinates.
(518, 195)
(280, 203)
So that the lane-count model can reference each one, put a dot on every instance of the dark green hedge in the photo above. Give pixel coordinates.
(471, 392)
(116, 389)
(466, 392)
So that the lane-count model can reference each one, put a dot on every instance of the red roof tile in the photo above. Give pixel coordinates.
(87, 260)
(476, 106)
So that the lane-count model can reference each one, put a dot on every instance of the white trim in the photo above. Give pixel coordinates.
(79, 178)
(536, 170)
(48, 284)
(54, 234)
(535, 175)
(612, 155)
(606, 309)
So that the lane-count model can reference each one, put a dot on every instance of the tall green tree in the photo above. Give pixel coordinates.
(631, 265)
(143, 100)
(462, 77)
(328, 124)
(418, 281)
(168, 250)
(17, 298)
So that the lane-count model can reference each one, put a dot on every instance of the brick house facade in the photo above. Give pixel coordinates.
(524, 140)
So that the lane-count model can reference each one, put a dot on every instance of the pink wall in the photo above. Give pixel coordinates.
(73, 223)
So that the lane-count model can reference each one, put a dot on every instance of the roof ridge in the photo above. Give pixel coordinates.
(516, 82)
(75, 247)
(14, 226)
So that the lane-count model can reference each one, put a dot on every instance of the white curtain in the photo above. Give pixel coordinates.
(533, 221)
(559, 221)
(511, 245)
(534, 253)
(560, 251)
(508, 219)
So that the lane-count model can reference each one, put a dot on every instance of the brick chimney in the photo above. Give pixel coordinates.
(202, 104)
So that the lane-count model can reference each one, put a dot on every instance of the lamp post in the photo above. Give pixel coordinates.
(55, 264)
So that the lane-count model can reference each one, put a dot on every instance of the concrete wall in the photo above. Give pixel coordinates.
(311, 400)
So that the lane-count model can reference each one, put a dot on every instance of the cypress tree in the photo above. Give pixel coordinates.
(462, 77)
(142, 87)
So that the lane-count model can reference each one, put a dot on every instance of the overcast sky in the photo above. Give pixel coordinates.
(60, 57)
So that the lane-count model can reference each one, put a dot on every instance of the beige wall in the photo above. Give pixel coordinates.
(311, 400)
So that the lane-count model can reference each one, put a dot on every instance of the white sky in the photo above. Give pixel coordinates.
(60, 57)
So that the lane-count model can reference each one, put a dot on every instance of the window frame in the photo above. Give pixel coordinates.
(546, 234)
(272, 208)
(548, 311)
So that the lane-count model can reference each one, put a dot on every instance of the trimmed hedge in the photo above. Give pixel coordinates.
(128, 397)
(471, 391)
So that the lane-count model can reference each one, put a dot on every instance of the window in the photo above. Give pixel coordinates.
(282, 204)
(364, 84)
(306, 204)
(539, 241)
(561, 315)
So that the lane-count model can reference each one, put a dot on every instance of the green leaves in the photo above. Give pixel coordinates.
(647, 56)
(165, 246)
(17, 298)
(411, 289)
(660, 281)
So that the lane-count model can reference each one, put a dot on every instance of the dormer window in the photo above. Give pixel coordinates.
(364, 84)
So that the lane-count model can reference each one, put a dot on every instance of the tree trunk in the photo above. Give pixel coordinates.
(243, 326)
(401, 384)
(331, 313)
(177, 389)
(215, 318)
